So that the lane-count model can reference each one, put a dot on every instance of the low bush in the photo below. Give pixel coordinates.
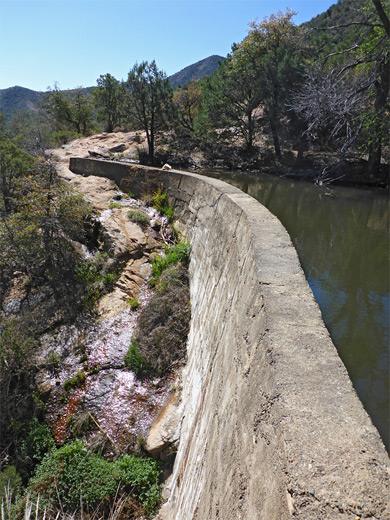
(93, 274)
(75, 382)
(37, 443)
(134, 304)
(18, 406)
(72, 475)
(135, 361)
(138, 217)
(163, 324)
(179, 252)
(10, 482)
(140, 476)
(161, 203)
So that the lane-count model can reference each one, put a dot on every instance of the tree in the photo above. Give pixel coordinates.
(150, 100)
(187, 102)
(71, 110)
(17, 403)
(232, 95)
(14, 164)
(109, 99)
(257, 78)
(37, 229)
(346, 97)
(273, 46)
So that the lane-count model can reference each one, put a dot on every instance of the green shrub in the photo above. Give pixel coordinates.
(135, 361)
(161, 203)
(53, 362)
(138, 217)
(17, 380)
(134, 303)
(75, 382)
(73, 473)
(10, 480)
(180, 252)
(37, 442)
(87, 272)
(114, 205)
(93, 275)
(140, 476)
(91, 271)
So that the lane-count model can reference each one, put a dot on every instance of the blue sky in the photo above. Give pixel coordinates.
(73, 42)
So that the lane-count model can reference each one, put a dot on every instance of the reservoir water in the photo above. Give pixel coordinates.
(342, 238)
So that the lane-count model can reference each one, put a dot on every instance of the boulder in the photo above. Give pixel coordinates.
(126, 237)
(165, 430)
(118, 148)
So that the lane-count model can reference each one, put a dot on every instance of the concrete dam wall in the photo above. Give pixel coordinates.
(270, 425)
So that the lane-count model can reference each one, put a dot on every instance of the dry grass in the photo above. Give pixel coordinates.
(163, 325)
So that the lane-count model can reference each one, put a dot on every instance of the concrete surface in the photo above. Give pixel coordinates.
(271, 427)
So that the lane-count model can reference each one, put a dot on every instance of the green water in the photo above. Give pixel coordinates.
(342, 238)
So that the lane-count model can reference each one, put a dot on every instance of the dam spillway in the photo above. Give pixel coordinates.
(271, 427)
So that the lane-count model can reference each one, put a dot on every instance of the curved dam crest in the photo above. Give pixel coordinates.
(270, 425)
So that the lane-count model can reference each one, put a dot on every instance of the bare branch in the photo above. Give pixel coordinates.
(356, 46)
(344, 25)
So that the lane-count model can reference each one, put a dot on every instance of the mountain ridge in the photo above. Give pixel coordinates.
(18, 97)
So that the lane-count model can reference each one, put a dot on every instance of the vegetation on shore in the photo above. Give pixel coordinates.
(43, 224)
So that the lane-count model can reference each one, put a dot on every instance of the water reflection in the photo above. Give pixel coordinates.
(341, 235)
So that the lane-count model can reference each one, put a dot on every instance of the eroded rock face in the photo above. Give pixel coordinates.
(89, 390)
(126, 238)
(165, 431)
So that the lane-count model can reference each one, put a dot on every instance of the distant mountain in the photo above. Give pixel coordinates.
(197, 70)
(15, 98)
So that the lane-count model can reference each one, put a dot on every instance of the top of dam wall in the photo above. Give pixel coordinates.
(271, 427)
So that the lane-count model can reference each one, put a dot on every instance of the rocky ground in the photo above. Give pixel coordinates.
(227, 153)
(89, 390)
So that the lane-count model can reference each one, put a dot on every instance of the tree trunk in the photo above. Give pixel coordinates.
(382, 86)
(301, 149)
(151, 147)
(275, 137)
(249, 140)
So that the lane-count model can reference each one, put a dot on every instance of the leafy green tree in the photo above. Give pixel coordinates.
(149, 101)
(187, 102)
(256, 79)
(72, 110)
(31, 131)
(231, 96)
(273, 47)
(3, 125)
(14, 164)
(109, 98)
(36, 238)
(41, 218)
(17, 404)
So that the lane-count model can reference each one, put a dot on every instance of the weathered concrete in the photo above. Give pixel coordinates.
(271, 427)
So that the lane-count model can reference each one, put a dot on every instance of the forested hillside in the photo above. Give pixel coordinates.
(197, 70)
(17, 98)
